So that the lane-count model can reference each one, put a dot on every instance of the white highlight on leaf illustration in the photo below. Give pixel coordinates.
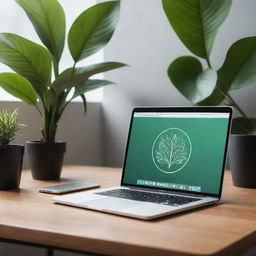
(171, 151)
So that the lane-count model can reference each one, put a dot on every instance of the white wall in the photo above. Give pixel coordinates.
(145, 41)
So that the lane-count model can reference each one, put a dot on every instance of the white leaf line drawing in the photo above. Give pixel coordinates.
(171, 150)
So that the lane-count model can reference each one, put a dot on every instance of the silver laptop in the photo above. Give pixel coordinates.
(174, 161)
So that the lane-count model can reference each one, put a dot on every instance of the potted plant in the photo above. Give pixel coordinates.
(33, 65)
(196, 23)
(11, 156)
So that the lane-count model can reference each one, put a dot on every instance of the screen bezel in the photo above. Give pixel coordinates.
(227, 110)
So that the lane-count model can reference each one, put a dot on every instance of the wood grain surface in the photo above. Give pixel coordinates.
(225, 229)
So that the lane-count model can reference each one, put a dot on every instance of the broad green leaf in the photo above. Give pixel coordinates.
(27, 59)
(237, 71)
(89, 85)
(196, 22)
(19, 87)
(243, 125)
(64, 81)
(70, 77)
(187, 75)
(239, 68)
(93, 29)
(48, 19)
(216, 98)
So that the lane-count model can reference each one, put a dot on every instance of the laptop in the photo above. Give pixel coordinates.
(174, 162)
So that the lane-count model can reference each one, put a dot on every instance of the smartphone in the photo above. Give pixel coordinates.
(68, 187)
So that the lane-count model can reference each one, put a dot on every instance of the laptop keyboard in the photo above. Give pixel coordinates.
(172, 200)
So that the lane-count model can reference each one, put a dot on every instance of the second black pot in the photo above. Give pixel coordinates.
(242, 157)
(46, 159)
(11, 158)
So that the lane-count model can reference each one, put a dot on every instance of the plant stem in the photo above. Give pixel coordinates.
(53, 124)
(227, 95)
(235, 105)
(52, 116)
(38, 109)
(208, 62)
(67, 102)
(56, 68)
(45, 129)
(50, 112)
(50, 127)
(73, 69)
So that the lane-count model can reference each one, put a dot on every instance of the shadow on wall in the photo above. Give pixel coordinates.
(81, 133)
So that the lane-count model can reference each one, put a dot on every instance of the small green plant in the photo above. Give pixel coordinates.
(9, 126)
(34, 64)
(196, 23)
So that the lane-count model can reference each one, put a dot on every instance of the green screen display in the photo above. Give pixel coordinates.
(184, 153)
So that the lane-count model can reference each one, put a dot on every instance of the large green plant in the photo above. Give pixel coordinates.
(196, 23)
(33, 63)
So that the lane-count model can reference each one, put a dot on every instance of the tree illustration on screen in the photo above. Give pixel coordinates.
(171, 150)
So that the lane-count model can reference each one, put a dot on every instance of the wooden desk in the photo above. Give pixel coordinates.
(29, 216)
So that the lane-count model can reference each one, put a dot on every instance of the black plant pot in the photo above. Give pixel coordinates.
(242, 157)
(46, 159)
(11, 159)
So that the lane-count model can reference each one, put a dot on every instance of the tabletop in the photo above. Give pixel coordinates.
(225, 229)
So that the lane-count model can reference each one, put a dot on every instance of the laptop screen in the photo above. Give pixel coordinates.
(177, 150)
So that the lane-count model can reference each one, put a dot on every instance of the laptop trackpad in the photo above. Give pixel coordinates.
(110, 203)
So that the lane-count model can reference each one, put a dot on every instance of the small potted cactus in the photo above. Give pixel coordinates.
(11, 156)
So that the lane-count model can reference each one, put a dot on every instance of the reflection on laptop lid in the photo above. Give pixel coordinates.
(178, 150)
